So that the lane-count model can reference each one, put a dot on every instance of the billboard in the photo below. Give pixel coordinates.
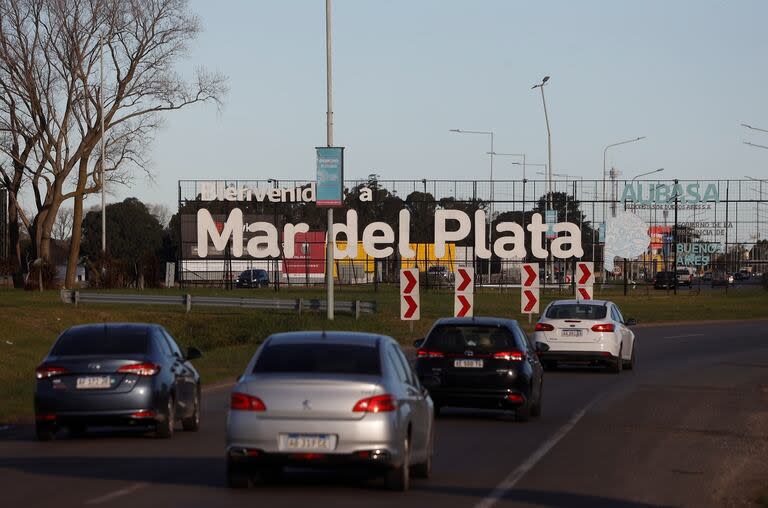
(330, 176)
(189, 233)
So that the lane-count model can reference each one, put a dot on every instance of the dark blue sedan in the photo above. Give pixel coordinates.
(116, 374)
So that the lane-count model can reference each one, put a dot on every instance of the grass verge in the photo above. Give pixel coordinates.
(30, 322)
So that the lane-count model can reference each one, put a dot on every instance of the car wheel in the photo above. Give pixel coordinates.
(164, 428)
(424, 470)
(616, 366)
(630, 364)
(523, 412)
(397, 478)
(238, 476)
(192, 423)
(45, 432)
(536, 408)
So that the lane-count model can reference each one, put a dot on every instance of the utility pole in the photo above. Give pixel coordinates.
(103, 153)
(329, 245)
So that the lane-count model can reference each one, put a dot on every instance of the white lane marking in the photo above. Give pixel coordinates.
(510, 481)
(117, 493)
(685, 336)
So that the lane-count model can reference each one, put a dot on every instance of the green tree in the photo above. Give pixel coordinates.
(134, 238)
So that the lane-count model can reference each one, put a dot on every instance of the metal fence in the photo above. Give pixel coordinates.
(729, 217)
(355, 307)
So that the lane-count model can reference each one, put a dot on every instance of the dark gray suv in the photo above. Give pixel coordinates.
(116, 374)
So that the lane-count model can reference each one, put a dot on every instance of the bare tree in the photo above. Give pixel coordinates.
(160, 212)
(62, 228)
(50, 75)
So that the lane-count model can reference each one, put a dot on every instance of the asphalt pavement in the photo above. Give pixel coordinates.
(688, 427)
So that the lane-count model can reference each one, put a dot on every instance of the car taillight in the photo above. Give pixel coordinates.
(544, 327)
(423, 353)
(376, 404)
(46, 371)
(603, 327)
(245, 402)
(140, 369)
(514, 356)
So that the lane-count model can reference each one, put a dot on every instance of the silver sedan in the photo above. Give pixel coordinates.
(328, 399)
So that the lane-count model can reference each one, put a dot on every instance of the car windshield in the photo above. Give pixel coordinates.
(106, 341)
(459, 338)
(319, 359)
(577, 311)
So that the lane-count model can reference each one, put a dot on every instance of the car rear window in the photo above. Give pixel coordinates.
(319, 358)
(106, 341)
(459, 338)
(577, 311)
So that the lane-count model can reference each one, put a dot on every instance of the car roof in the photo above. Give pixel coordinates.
(482, 321)
(110, 326)
(581, 302)
(327, 337)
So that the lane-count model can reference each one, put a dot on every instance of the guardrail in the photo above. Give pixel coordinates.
(299, 305)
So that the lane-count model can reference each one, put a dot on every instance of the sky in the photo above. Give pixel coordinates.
(685, 74)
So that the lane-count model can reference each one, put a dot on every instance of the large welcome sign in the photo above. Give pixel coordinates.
(378, 238)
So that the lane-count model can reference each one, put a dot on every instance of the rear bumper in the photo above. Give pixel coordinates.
(255, 458)
(98, 408)
(248, 431)
(479, 399)
(578, 356)
(133, 417)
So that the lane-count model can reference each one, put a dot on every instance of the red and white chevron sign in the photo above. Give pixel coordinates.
(410, 307)
(529, 301)
(464, 296)
(584, 292)
(464, 280)
(529, 275)
(585, 273)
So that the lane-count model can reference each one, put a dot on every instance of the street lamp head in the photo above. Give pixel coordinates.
(546, 78)
(640, 138)
(454, 130)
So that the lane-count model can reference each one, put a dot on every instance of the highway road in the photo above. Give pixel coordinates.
(689, 427)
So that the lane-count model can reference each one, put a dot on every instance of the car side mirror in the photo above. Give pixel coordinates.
(542, 347)
(418, 343)
(193, 354)
(631, 322)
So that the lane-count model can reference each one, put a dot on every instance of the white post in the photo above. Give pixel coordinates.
(329, 142)
(103, 154)
(490, 218)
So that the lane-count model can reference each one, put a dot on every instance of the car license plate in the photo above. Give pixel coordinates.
(468, 364)
(307, 442)
(570, 333)
(93, 383)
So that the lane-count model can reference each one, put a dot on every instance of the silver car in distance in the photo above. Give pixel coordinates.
(329, 399)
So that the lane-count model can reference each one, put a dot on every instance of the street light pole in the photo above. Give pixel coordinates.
(605, 170)
(329, 245)
(496, 154)
(540, 86)
(754, 128)
(103, 154)
(490, 218)
(755, 145)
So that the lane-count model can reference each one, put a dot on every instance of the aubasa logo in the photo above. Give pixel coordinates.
(663, 193)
